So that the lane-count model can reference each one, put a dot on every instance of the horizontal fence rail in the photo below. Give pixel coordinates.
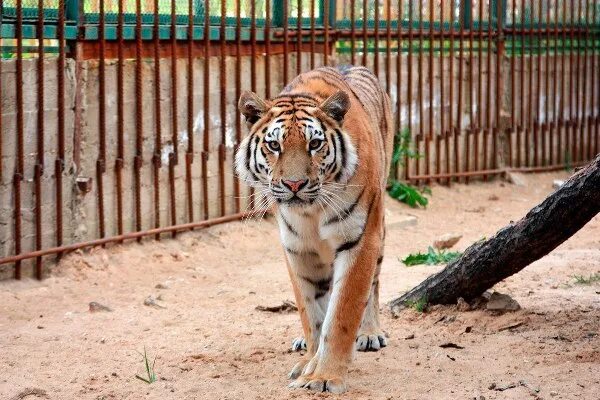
(118, 118)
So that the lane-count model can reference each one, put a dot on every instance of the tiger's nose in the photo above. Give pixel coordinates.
(294, 186)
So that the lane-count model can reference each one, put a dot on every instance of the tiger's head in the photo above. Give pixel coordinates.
(296, 151)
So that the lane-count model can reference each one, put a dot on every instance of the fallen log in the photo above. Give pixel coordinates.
(515, 246)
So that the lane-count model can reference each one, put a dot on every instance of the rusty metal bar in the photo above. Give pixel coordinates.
(457, 130)
(585, 153)
(139, 139)
(120, 119)
(223, 108)
(388, 43)
(431, 133)
(443, 134)
(488, 92)
(594, 117)
(562, 155)
(313, 38)
(18, 175)
(39, 166)
(472, 126)
(480, 128)
(578, 130)
(238, 84)
(101, 160)
(189, 156)
(286, 16)
(156, 157)
(206, 101)
(409, 83)
(268, 50)
(129, 236)
(420, 87)
(547, 127)
(60, 129)
(365, 20)
(571, 141)
(376, 39)
(299, 39)
(326, 31)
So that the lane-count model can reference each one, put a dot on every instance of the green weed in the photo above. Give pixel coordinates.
(151, 375)
(432, 257)
(419, 305)
(583, 280)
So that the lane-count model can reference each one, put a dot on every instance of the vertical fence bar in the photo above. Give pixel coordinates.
(139, 127)
(488, 92)
(420, 84)
(399, 127)
(101, 161)
(594, 113)
(571, 136)
(409, 86)
(299, 39)
(577, 126)
(546, 127)
(442, 136)
(563, 156)
(458, 128)
(451, 133)
(513, 97)
(268, 49)
(238, 85)
(174, 154)
(325, 32)
(473, 127)
(156, 157)
(431, 134)
(120, 119)
(59, 162)
(480, 129)
(189, 156)
(206, 101)
(365, 23)
(376, 38)
(223, 106)
(388, 43)
(352, 31)
(39, 166)
(555, 129)
(18, 175)
(585, 153)
(313, 35)
(534, 52)
(286, 38)
(1, 122)
(499, 82)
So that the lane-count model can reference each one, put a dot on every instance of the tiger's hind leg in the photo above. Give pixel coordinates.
(370, 336)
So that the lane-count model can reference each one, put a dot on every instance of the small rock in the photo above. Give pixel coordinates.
(493, 197)
(446, 241)
(502, 302)
(97, 307)
(553, 393)
(557, 183)
(411, 336)
(177, 256)
(40, 327)
(151, 301)
(161, 286)
(516, 178)
(468, 329)
(462, 305)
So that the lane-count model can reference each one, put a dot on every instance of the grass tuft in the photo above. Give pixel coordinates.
(150, 374)
(583, 280)
(432, 257)
(419, 305)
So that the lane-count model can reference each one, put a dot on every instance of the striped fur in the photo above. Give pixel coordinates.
(329, 133)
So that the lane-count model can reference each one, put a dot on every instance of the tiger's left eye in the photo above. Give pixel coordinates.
(314, 144)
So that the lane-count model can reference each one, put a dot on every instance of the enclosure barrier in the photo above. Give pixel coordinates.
(118, 118)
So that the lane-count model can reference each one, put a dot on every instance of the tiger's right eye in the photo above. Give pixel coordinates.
(274, 146)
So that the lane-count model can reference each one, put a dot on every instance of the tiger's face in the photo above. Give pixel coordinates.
(296, 153)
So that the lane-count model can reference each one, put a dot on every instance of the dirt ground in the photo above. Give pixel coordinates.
(211, 343)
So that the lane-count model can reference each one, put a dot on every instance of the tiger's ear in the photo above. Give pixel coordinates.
(336, 105)
(252, 106)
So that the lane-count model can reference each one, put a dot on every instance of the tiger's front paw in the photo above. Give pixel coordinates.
(320, 383)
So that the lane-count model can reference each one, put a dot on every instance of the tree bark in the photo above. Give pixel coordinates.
(515, 246)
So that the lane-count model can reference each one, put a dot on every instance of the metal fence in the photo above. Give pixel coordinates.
(117, 118)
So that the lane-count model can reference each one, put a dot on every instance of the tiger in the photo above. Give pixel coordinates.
(319, 153)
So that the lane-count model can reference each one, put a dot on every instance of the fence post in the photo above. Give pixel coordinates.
(502, 130)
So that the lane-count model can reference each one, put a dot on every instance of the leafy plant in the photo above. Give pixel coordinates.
(419, 305)
(432, 257)
(151, 375)
(402, 191)
(583, 280)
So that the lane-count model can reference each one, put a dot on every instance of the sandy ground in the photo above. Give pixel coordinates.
(210, 342)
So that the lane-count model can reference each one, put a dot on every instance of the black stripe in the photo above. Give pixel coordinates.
(321, 284)
(342, 155)
(294, 252)
(346, 213)
(348, 245)
(289, 226)
(379, 260)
